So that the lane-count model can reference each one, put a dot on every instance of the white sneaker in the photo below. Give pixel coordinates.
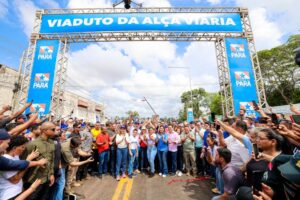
(160, 174)
(164, 176)
(179, 173)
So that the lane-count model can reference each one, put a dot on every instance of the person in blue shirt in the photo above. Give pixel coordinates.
(7, 164)
(162, 148)
(207, 127)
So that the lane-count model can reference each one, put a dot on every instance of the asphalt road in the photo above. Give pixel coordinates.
(144, 188)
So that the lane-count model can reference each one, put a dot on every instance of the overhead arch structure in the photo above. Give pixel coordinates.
(44, 63)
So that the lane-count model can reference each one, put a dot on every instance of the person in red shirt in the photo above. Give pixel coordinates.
(143, 150)
(102, 142)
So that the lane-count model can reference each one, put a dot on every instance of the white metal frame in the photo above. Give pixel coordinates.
(67, 38)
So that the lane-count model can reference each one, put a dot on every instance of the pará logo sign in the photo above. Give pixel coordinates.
(41, 80)
(242, 79)
(237, 51)
(45, 53)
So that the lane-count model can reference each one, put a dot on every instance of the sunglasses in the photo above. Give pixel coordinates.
(52, 129)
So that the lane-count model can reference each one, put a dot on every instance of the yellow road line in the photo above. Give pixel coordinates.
(119, 188)
(128, 189)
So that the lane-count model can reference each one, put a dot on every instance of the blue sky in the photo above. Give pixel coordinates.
(144, 68)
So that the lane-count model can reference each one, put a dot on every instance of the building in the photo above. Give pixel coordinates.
(8, 78)
(82, 108)
(73, 105)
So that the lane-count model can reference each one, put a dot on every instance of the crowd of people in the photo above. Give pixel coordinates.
(248, 157)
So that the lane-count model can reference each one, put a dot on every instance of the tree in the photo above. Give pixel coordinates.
(132, 114)
(281, 74)
(201, 101)
(191, 99)
(215, 103)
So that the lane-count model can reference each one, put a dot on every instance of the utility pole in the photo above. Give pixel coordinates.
(190, 115)
(149, 105)
(190, 80)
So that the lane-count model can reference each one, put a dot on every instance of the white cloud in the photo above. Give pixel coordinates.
(153, 56)
(272, 20)
(201, 59)
(26, 12)
(3, 8)
(266, 33)
(106, 73)
(94, 66)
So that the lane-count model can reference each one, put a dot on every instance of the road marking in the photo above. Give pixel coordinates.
(119, 188)
(128, 189)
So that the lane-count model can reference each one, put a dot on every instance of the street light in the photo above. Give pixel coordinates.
(190, 115)
(145, 100)
(190, 79)
(149, 105)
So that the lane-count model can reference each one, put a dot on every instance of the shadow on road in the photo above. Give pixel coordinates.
(199, 188)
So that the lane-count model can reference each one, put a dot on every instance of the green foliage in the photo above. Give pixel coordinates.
(216, 104)
(132, 114)
(280, 73)
(199, 100)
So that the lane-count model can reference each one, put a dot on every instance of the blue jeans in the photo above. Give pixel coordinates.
(112, 158)
(143, 158)
(151, 153)
(163, 166)
(174, 161)
(180, 158)
(131, 161)
(136, 162)
(219, 180)
(103, 161)
(57, 193)
(121, 159)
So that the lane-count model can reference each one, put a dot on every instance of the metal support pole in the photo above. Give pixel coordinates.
(191, 86)
(224, 79)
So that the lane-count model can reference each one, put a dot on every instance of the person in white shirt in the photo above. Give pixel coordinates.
(152, 150)
(133, 149)
(11, 184)
(122, 141)
(238, 142)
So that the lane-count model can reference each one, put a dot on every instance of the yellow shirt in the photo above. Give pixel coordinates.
(95, 133)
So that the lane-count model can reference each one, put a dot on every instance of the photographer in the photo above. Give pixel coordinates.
(68, 160)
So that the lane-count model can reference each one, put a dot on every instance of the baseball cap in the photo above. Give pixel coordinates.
(4, 134)
(21, 117)
(143, 127)
(123, 127)
(192, 122)
(291, 169)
